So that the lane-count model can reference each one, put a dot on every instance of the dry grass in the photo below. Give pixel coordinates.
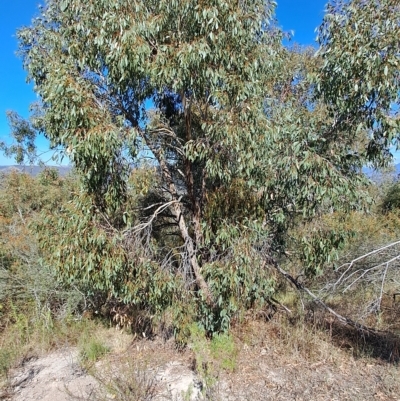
(302, 355)
(121, 379)
(286, 358)
(25, 336)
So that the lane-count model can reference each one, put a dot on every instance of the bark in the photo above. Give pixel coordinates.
(177, 211)
(196, 209)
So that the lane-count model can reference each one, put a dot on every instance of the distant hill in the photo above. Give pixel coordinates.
(377, 175)
(35, 170)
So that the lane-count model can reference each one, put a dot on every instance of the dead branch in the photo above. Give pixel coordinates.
(300, 287)
(362, 257)
(376, 268)
(149, 222)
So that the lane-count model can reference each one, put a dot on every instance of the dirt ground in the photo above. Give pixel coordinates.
(49, 377)
(268, 365)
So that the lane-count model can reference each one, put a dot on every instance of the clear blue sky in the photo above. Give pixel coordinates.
(301, 16)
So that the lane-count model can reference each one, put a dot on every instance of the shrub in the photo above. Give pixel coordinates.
(391, 199)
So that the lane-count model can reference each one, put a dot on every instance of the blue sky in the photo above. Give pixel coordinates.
(301, 16)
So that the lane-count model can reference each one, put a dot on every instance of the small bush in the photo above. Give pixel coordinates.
(5, 361)
(92, 350)
(391, 200)
(132, 383)
(223, 349)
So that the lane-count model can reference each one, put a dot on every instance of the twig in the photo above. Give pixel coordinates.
(368, 254)
(300, 287)
(281, 305)
(366, 271)
(382, 284)
(160, 209)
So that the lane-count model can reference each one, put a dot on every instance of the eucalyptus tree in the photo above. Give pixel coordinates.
(245, 137)
(360, 78)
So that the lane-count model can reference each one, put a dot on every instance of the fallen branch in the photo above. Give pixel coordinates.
(362, 257)
(378, 269)
(300, 287)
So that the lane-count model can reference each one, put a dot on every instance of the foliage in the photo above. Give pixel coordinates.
(24, 276)
(391, 199)
(203, 360)
(246, 140)
(98, 257)
(24, 135)
(359, 79)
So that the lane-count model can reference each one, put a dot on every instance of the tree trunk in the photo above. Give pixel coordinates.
(176, 209)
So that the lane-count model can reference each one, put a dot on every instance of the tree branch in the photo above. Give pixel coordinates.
(300, 287)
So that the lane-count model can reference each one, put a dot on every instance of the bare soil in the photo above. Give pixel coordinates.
(51, 377)
(271, 363)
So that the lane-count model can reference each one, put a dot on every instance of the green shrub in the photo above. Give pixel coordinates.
(391, 199)
(223, 349)
(5, 361)
(92, 349)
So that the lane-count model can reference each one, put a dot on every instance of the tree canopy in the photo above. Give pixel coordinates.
(232, 137)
